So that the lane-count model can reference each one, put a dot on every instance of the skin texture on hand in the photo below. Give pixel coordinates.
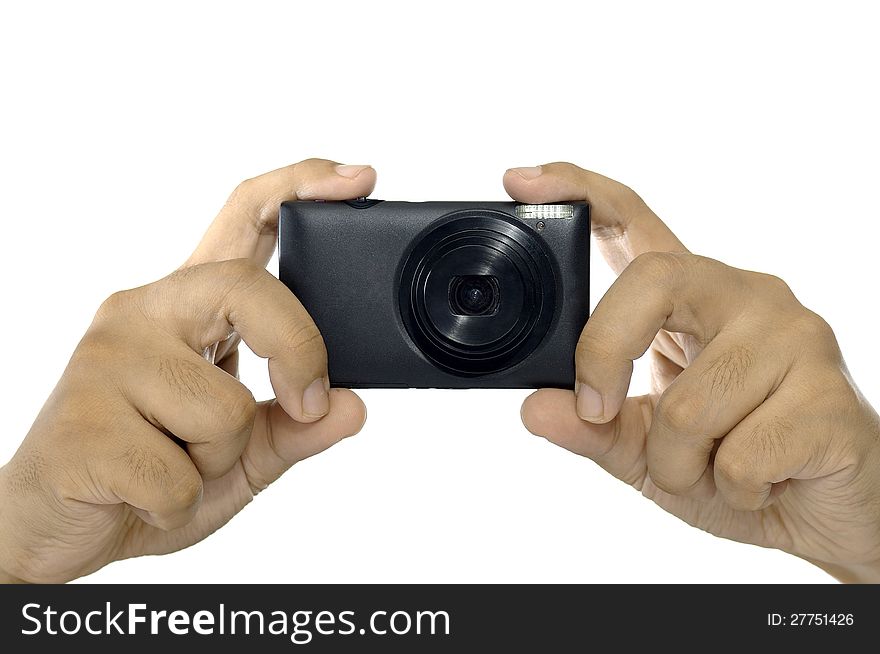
(754, 430)
(146, 446)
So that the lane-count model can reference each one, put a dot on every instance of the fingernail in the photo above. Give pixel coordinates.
(528, 172)
(316, 401)
(589, 404)
(349, 170)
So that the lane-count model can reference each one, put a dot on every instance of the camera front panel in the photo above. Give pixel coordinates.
(440, 294)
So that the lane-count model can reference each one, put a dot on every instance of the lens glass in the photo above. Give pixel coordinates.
(474, 295)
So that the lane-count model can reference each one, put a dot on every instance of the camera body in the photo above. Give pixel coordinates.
(441, 294)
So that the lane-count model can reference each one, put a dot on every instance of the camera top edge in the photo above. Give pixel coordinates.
(520, 210)
(475, 203)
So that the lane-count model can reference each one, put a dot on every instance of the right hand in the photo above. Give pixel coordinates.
(146, 447)
(754, 429)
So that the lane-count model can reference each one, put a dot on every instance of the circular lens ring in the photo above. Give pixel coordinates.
(507, 341)
(504, 238)
(426, 324)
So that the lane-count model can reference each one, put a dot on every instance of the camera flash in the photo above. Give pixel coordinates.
(544, 211)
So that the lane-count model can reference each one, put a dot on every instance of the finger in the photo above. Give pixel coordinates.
(246, 226)
(623, 224)
(205, 303)
(196, 401)
(152, 474)
(618, 446)
(677, 292)
(279, 442)
(728, 380)
(786, 438)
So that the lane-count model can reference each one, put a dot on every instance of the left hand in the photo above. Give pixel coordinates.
(144, 447)
(247, 226)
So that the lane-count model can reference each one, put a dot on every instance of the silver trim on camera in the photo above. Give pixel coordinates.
(544, 211)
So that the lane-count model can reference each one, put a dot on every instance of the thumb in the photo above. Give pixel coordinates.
(622, 223)
(246, 227)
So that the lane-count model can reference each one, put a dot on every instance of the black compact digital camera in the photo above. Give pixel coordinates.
(441, 294)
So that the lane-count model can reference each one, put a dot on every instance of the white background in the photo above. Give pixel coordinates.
(751, 130)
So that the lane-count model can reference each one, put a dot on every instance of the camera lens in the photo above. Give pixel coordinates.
(474, 295)
(477, 292)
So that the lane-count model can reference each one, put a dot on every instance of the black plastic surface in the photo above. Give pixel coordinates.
(345, 264)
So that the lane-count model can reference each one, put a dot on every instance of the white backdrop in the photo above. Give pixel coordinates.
(751, 130)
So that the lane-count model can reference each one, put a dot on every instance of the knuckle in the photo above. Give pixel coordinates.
(681, 412)
(814, 327)
(240, 409)
(772, 295)
(776, 285)
(654, 265)
(628, 193)
(117, 305)
(244, 192)
(302, 338)
(734, 468)
(255, 199)
(659, 268)
(186, 491)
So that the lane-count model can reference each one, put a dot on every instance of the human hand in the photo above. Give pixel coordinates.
(145, 446)
(753, 431)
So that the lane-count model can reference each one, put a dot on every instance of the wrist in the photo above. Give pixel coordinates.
(5, 528)
(6, 578)
(862, 573)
